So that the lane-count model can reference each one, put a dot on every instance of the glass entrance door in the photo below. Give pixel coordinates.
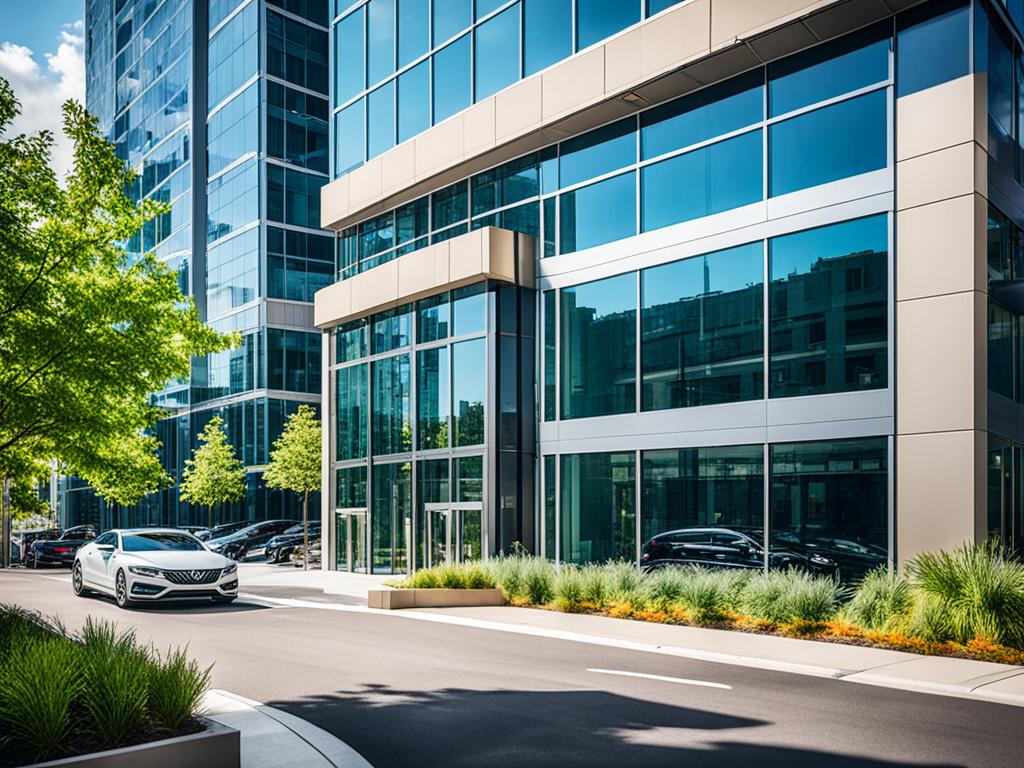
(454, 533)
(350, 540)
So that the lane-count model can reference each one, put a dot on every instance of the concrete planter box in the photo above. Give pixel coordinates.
(216, 747)
(393, 599)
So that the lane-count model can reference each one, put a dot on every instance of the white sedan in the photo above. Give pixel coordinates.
(145, 564)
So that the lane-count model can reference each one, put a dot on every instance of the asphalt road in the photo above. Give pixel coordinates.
(415, 693)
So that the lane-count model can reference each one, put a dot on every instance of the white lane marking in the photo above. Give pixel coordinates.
(662, 678)
(64, 579)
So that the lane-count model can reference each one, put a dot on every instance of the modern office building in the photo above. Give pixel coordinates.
(221, 107)
(609, 269)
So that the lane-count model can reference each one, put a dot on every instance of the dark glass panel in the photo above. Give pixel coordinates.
(598, 510)
(596, 153)
(598, 214)
(351, 390)
(433, 398)
(598, 19)
(933, 45)
(392, 423)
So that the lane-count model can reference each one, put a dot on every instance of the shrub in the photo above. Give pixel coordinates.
(594, 585)
(539, 581)
(423, 579)
(508, 571)
(788, 596)
(979, 588)
(663, 588)
(882, 601)
(115, 673)
(624, 583)
(568, 588)
(176, 685)
(710, 595)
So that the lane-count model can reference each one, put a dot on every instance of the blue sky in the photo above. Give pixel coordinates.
(41, 55)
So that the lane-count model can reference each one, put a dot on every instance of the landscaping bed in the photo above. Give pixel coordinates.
(64, 694)
(968, 603)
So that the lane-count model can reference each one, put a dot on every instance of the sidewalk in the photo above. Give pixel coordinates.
(271, 738)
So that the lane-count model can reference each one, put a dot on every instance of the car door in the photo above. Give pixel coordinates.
(692, 547)
(109, 561)
(733, 551)
(94, 564)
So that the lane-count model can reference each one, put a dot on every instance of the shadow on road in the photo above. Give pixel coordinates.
(178, 607)
(459, 727)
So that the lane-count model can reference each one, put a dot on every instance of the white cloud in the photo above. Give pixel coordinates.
(43, 91)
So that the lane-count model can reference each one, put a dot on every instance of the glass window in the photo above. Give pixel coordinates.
(414, 101)
(598, 343)
(392, 329)
(350, 490)
(296, 127)
(377, 235)
(469, 478)
(993, 52)
(828, 144)
(434, 318)
(351, 341)
(1000, 246)
(598, 152)
(1000, 349)
(469, 380)
(296, 52)
(392, 425)
(451, 79)
(829, 70)
(829, 506)
(550, 489)
(828, 309)
(523, 218)
(550, 226)
(351, 390)
(715, 178)
(598, 19)
(433, 398)
(411, 220)
(349, 138)
(349, 61)
(233, 131)
(496, 47)
(450, 205)
(233, 55)
(702, 329)
(657, 6)
(469, 307)
(702, 115)
(450, 18)
(703, 487)
(506, 184)
(932, 45)
(380, 40)
(547, 33)
(598, 214)
(380, 120)
(550, 320)
(432, 479)
(598, 514)
(413, 30)
(389, 517)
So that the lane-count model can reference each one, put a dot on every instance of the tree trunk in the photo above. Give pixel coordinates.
(209, 515)
(5, 523)
(305, 530)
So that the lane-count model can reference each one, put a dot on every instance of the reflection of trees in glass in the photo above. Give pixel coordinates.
(469, 423)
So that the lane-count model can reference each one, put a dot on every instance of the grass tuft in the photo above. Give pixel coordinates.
(176, 685)
(882, 601)
(115, 672)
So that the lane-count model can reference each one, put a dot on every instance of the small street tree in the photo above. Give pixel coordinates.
(295, 464)
(214, 475)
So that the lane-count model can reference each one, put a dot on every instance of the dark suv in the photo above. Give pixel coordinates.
(728, 548)
(249, 541)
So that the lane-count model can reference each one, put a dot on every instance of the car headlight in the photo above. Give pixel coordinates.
(821, 560)
(142, 570)
(229, 569)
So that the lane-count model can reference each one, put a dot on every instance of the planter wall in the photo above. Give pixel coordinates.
(392, 599)
(216, 747)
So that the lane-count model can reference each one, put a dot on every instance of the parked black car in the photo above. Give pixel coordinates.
(224, 529)
(249, 541)
(728, 548)
(279, 549)
(23, 541)
(59, 551)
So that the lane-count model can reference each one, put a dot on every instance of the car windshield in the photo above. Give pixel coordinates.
(295, 529)
(144, 542)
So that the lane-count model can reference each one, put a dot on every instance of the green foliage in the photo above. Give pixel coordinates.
(538, 580)
(593, 589)
(710, 594)
(978, 588)
(471, 575)
(663, 588)
(624, 583)
(115, 674)
(791, 595)
(87, 330)
(214, 475)
(295, 458)
(881, 602)
(568, 588)
(176, 686)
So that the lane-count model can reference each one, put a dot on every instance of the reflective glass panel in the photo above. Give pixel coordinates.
(1000, 349)
(450, 18)
(828, 144)
(380, 38)
(709, 180)
(392, 423)
(598, 214)
(828, 309)
(452, 85)
(702, 329)
(496, 47)
(434, 318)
(932, 45)
(547, 33)
(349, 138)
(351, 487)
(392, 329)
(414, 101)
(469, 307)
(598, 509)
(351, 341)
(469, 379)
(413, 30)
(468, 478)
(351, 403)
(550, 320)
(380, 119)
(506, 184)
(433, 398)
(598, 342)
(598, 19)
(550, 489)
(389, 517)
(598, 152)
(450, 205)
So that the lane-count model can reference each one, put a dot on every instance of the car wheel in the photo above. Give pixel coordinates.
(121, 591)
(30, 562)
(77, 582)
(224, 600)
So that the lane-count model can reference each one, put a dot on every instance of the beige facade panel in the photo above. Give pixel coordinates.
(936, 248)
(939, 485)
(940, 175)
(935, 118)
(484, 254)
(693, 44)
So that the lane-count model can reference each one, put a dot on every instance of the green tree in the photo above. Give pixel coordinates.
(214, 475)
(88, 331)
(295, 463)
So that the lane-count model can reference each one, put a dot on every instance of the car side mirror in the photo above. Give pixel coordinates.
(105, 547)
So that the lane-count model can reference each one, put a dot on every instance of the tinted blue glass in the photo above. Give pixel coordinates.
(932, 46)
(451, 79)
(598, 152)
(233, 55)
(599, 213)
(380, 119)
(414, 101)
(349, 75)
(598, 19)
(450, 18)
(708, 180)
(349, 137)
(828, 144)
(450, 205)
(413, 29)
(702, 115)
(469, 306)
(380, 40)
(497, 53)
(828, 70)
(547, 33)
(483, 7)
(656, 6)
(506, 184)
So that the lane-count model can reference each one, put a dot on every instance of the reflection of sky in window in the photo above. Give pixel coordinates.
(724, 272)
(607, 297)
(797, 253)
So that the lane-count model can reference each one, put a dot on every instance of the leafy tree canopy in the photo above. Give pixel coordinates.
(295, 458)
(87, 330)
(214, 475)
